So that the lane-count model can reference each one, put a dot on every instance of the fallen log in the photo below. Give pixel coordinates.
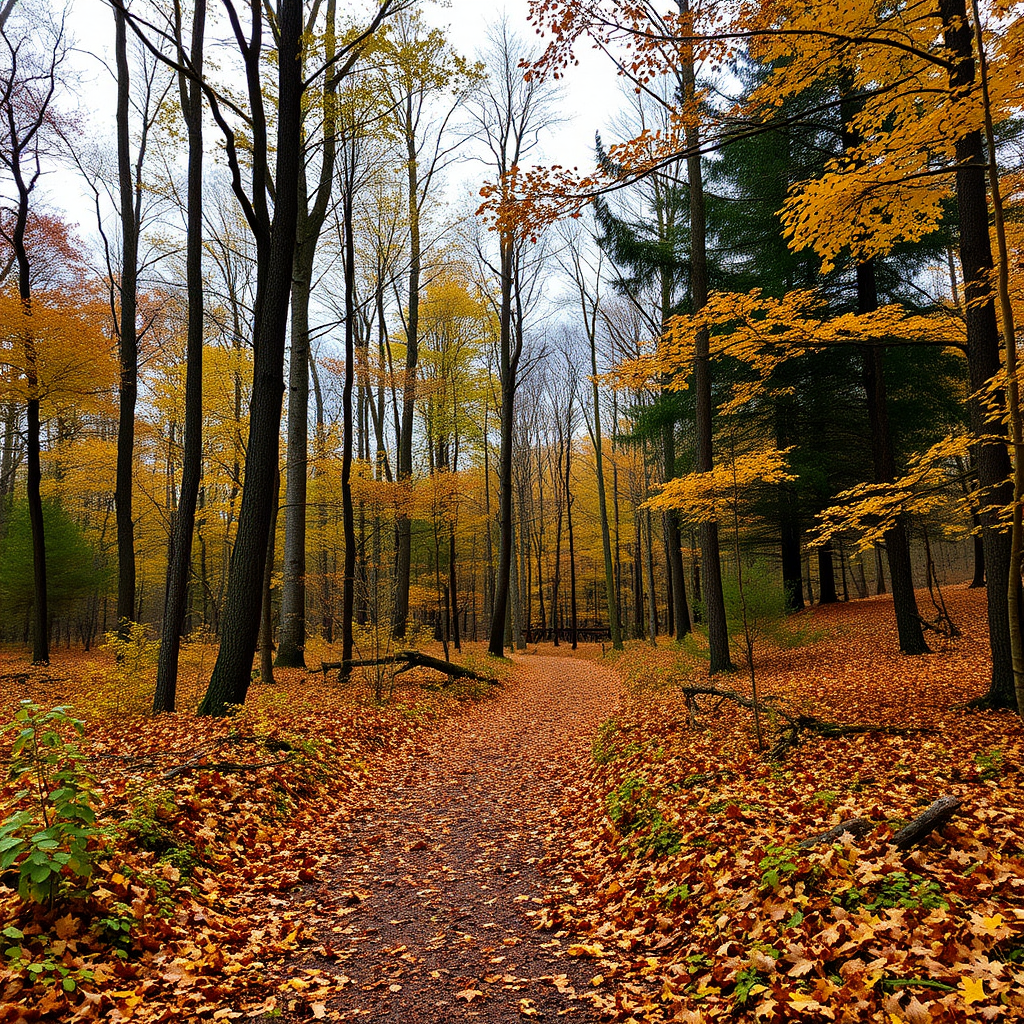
(857, 827)
(934, 817)
(414, 659)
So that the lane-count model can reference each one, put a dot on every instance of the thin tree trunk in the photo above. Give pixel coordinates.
(232, 672)
(127, 335)
(714, 597)
(652, 601)
(572, 547)
(678, 609)
(347, 510)
(609, 574)
(180, 543)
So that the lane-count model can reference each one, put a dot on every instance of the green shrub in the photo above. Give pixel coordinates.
(633, 809)
(49, 835)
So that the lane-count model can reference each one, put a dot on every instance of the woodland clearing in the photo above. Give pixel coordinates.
(562, 845)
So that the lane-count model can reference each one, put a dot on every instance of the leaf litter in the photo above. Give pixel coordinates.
(559, 848)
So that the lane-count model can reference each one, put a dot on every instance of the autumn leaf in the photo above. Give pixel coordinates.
(972, 990)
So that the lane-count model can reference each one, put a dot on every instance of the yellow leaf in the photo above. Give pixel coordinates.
(582, 949)
(972, 990)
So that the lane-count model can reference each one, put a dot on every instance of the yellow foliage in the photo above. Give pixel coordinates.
(63, 345)
(707, 497)
(929, 487)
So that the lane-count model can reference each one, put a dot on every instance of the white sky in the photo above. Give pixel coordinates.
(591, 94)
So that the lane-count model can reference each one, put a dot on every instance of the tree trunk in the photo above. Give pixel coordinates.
(180, 544)
(508, 389)
(652, 600)
(983, 356)
(573, 628)
(292, 639)
(267, 608)
(403, 536)
(679, 611)
(609, 576)
(127, 336)
(714, 597)
(826, 575)
(897, 542)
(232, 672)
(347, 510)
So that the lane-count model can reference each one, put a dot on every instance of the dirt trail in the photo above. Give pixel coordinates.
(431, 906)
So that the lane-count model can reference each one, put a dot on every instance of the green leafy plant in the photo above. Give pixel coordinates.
(606, 749)
(990, 765)
(49, 835)
(633, 809)
(48, 967)
(116, 927)
(777, 865)
(746, 983)
(897, 889)
(150, 826)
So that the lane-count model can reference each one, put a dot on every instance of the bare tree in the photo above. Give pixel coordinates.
(509, 113)
(180, 545)
(34, 50)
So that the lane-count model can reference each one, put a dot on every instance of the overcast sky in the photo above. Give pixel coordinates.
(590, 92)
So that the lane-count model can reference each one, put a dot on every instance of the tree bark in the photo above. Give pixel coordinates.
(180, 543)
(347, 510)
(267, 608)
(508, 366)
(714, 597)
(232, 672)
(127, 335)
(292, 638)
(983, 356)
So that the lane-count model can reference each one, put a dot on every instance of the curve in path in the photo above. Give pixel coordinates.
(431, 907)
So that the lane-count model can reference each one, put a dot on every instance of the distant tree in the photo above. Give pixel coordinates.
(35, 49)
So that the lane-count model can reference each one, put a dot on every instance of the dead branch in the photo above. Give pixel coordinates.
(934, 817)
(796, 724)
(221, 766)
(413, 659)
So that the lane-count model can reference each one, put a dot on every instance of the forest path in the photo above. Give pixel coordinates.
(431, 901)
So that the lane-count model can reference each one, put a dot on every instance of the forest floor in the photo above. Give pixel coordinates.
(569, 844)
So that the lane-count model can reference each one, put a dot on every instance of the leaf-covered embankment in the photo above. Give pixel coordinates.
(204, 825)
(686, 878)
